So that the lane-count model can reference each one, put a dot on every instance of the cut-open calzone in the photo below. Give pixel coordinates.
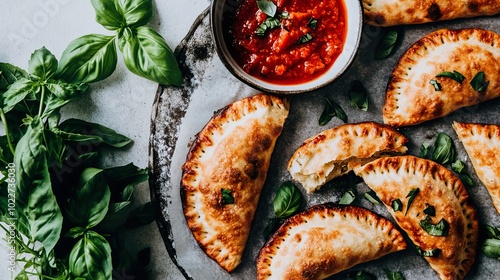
(335, 151)
(430, 203)
(443, 72)
(225, 171)
(482, 144)
(327, 239)
(396, 12)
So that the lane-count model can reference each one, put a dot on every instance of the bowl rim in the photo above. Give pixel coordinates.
(353, 17)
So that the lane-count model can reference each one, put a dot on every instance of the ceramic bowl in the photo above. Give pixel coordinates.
(221, 10)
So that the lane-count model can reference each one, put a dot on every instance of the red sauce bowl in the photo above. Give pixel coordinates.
(302, 46)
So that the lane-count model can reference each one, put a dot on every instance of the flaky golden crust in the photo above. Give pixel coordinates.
(232, 152)
(396, 12)
(411, 98)
(327, 239)
(482, 144)
(394, 178)
(335, 151)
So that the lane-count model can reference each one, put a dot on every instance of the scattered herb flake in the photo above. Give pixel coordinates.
(387, 45)
(428, 253)
(227, 196)
(397, 205)
(478, 83)
(372, 197)
(453, 75)
(347, 198)
(412, 194)
(267, 7)
(331, 110)
(439, 229)
(358, 96)
(437, 86)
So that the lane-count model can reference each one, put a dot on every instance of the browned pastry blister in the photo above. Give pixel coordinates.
(411, 98)
(433, 187)
(327, 239)
(232, 153)
(482, 144)
(397, 12)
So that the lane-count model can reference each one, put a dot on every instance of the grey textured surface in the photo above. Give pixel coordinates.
(179, 113)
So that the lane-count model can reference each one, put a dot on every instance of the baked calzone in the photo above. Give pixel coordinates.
(396, 12)
(419, 89)
(335, 151)
(482, 144)
(327, 239)
(430, 203)
(225, 171)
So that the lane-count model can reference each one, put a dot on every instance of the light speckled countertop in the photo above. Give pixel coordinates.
(122, 102)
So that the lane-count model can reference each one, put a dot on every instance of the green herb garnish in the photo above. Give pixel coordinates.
(439, 229)
(424, 150)
(458, 166)
(287, 200)
(437, 86)
(428, 253)
(412, 194)
(478, 83)
(372, 197)
(393, 275)
(267, 7)
(360, 275)
(444, 151)
(331, 110)
(304, 38)
(491, 245)
(397, 205)
(348, 197)
(358, 96)
(227, 196)
(453, 75)
(313, 23)
(466, 179)
(268, 24)
(387, 45)
(492, 232)
(430, 210)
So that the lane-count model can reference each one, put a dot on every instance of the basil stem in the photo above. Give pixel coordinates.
(331, 110)
(478, 83)
(437, 86)
(358, 96)
(439, 229)
(386, 46)
(411, 195)
(453, 75)
(267, 7)
(227, 196)
(287, 200)
(444, 151)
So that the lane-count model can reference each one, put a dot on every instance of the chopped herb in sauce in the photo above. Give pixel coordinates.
(304, 38)
(268, 24)
(313, 23)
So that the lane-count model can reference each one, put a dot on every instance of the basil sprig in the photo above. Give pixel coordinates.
(479, 83)
(331, 110)
(453, 75)
(93, 57)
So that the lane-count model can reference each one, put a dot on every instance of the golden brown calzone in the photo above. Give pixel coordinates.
(430, 203)
(396, 12)
(230, 156)
(411, 97)
(327, 239)
(482, 144)
(335, 151)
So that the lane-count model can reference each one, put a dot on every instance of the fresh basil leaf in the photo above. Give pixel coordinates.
(75, 232)
(304, 38)
(90, 202)
(393, 275)
(313, 23)
(428, 253)
(227, 196)
(444, 151)
(42, 65)
(267, 7)
(372, 197)
(424, 150)
(430, 210)
(90, 257)
(435, 84)
(491, 248)
(358, 96)
(123, 179)
(79, 130)
(492, 232)
(439, 229)
(478, 83)
(272, 226)
(287, 200)
(268, 24)
(67, 91)
(9, 74)
(412, 194)
(115, 217)
(107, 15)
(347, 198)
(40, 217)
(142, 215)
(331, 110)
(466, 179)
(135, 12)
(88, 59)
(147, 54)
(387, 45)
(17, 92)
(397, 205)
(360, 275)
(458, 166)
(453, 75)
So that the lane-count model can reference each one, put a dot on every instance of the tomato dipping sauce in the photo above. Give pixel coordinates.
(298, 44)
